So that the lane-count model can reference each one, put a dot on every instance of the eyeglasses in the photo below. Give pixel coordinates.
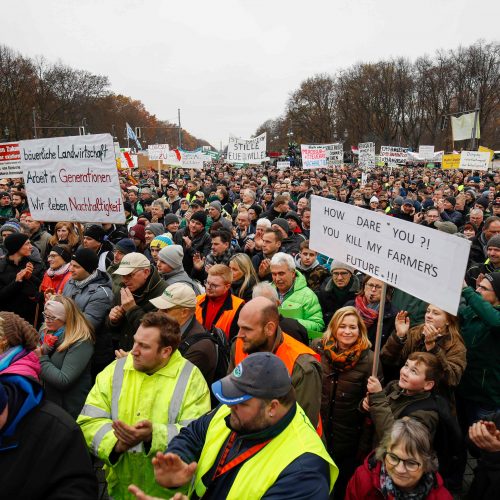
(373, 287)
(340, 274)
(48, 317)
(211, 285)
(409, 464)
(53, 255)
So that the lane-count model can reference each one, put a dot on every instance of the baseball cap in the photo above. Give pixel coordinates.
(131, 262)
(176, 295)
(261, 375)
(446, 227)
(173, 186)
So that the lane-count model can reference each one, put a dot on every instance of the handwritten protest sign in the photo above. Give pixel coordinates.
(366, 158)
(484, 149)
(474, 160)
(334, 154)
(158, 151)
(252, 151)
(282, 165)
(423, 262)
(313, 156)
(72, 178)
(450, 162)
(393, 154)
(10, 160)
(194, 159)
(173, 159)
(426, 152)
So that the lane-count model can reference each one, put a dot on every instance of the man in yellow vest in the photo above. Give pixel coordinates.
(257, 443)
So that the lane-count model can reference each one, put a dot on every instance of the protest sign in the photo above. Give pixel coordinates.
(334, 154)
(10, 160)
(173, 158)
(474, 160)
(423, 262)
(313, 156)
(158, 151)
(252, 151)
(194, 159)
(462, 127)
(393, 154)
(426, 152)
(282, 165)
(366, 157)
(72, 178)
(483, 149)
(450, 162)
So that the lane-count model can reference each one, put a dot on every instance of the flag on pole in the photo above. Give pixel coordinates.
(462, 127)
(131, 135)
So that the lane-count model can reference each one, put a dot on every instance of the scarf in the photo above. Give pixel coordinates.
(86, 281)
(345, 360)
(11, 355)
(50, 338)
(57, 272)
(390, 490)
(368, 314)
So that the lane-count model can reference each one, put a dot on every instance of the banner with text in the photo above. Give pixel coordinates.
(334, 154)
(426, 152)
(474, 160)
(158, 151)
(282, 165)
(194, 159)
(313, 156)
(366, 152)
(10, 160)
(72, 178)
(423, 262)
(252, 151)
(451, 161)
(393, 154)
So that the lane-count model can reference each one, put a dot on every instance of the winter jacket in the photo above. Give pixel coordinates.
(365, 484)
(315, 275)
(56, 282)
(66, 375)
(474, 271)
(332, 298)
(480, 329)
(170, 398)
(201, 243)
(301, 303)
(452, 216)
(124, 330)
(478, 252)
(42, 452)
(20, 297)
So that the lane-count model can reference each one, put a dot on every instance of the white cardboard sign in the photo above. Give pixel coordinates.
(251, 151)
(10, 160)
(72, 178)
(313, 156)
(282, 165)
(474, 160)
(366, 151)
(423, 262)
(393, 154)
(194, 159)
(158, 151)
(426, 152)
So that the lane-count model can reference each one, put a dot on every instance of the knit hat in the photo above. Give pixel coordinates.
(126, 246)
(95, 232)
(172, 256)
(3, 398)
(217, 205)
(292, 215)
(11, 225)
(281, 223)
(55, 309)
(336, 264)
(494, 279)
(484, 202)
(200, 216)
(138, 231)
(373, 199)
(86, 258)
(127, 206)
(161, 241)
(398, 201)
(63, 251)
(170, 219)
(407, 201)
(257, 208)
(428, 203)
(446, 227)
(156, 228)
(176, 295)
(494, 241)
(14, 242)
(17, 331)
(196, 203)
(452, 200)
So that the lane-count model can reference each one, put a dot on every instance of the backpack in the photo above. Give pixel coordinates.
(222, 348)
(448, 439)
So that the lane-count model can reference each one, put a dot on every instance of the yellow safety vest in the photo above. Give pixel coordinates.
(260, 471)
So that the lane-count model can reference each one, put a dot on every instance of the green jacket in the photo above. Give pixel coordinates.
(170, 398)
(480, 329)
(302, 304)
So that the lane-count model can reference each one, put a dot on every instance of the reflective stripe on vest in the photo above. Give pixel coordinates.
(116, 387)
(94, 412)
(98, 437)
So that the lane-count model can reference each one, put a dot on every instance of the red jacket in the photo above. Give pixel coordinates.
(365, 484)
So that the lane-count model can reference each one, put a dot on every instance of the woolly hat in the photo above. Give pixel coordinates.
(127, 206)
(446, 227)
(374, 199)
(494, 279)
(200, 216)
(281, 223)
(257, 208)
(170, 219)
(494, 241)
(126, 246)
(217, 205)
(14, 242)
(11, 225)
(336, 264)
(399, 200)
(292, 215)
(3, 398)
(452, 200)
(63, 251)
(86, 258)
(172, 256)
(156, 228)
(17, 331)
(95, 232)
(484, 202)
(138, 231)
(428, 203)
(161, 241)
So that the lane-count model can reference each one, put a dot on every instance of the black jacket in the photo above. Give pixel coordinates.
(201, 243)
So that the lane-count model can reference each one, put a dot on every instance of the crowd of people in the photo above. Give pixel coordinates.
(204, 349)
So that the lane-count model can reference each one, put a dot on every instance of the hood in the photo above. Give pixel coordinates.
(26, 366)
(301, 267)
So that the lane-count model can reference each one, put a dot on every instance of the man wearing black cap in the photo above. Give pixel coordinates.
(448, 213)
(215, 212)
(227, 452)
(490, 265)
(94, 238)
(290, 243)
(20, 276)
(173, 197)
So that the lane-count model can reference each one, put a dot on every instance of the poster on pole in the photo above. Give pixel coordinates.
(251, 151)
(158, 151)
(334, 154)
(393, 154)
(173, 158)
(426, 152)
(423, 262)
(72, 178)
(282, 165)
(10, 160)
(474, 160)
(451, 161)
(194, 159)
(366, 158)
(313, 156)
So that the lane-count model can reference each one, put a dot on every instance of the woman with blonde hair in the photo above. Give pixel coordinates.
(65, 233)
(346, 359)
(244, 276)
(67, 345)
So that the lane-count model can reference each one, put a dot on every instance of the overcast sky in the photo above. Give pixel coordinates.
(229, 65)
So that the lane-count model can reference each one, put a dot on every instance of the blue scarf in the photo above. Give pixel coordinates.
(10, 355)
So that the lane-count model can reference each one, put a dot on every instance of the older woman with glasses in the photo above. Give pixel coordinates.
(58, 273)
(403, 467)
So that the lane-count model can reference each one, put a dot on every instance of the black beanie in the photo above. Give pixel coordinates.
(14, 242)
(200, 216)
(494, 279)
(95, 232)
(452, 200)
(87, 259)
(63, 251)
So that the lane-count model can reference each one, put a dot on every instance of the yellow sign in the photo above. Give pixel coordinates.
(450, 161)
(482, 149)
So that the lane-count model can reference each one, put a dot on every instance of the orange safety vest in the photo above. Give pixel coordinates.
(225, 320)
(288, 351)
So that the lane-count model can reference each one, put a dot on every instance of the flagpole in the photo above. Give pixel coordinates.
(476, 115)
